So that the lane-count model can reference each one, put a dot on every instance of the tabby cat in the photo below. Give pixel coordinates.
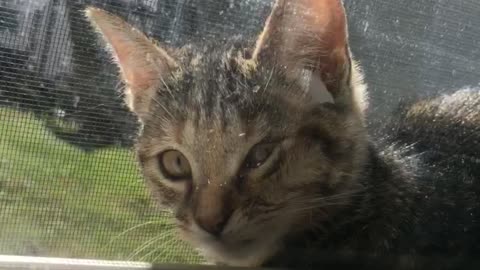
(261, 148)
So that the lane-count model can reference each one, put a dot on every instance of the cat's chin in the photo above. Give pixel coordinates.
(250, 253)
(234, 252)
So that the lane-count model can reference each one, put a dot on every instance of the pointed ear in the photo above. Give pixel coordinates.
(142, 64)
(309, 35)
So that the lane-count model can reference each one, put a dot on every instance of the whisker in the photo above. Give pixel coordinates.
(155, 249)
(307, 203)
(309, 199)
(312, 207)
(164, 245)
(143, 258)
(142, 247)
(163, 107)
(169, 90)
(338, 196)
(146, 244)
(132, 229)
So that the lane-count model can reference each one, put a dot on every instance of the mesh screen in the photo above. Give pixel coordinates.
(69, 186)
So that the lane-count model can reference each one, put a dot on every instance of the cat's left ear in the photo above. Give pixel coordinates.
(143, 65)
(311, 35)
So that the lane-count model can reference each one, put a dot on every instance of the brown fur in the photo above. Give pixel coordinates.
(319, 148)
(299, 91)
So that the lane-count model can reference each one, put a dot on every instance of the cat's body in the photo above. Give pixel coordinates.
(262, 149)
(422, 192)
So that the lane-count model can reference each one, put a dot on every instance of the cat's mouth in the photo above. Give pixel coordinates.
(240, 247)
(225, 240)
(235, 252)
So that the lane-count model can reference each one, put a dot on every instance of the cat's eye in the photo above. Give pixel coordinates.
(174, 165)
(259, 155)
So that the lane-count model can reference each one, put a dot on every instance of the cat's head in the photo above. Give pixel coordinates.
(247, 142)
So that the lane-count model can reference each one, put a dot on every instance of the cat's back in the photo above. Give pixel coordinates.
(445, 123)
(444, 132)
(445, 128)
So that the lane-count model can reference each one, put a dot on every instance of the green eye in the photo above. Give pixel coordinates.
(259, 155)
(175, 165)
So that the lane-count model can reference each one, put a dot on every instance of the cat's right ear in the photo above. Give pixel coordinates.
(143, 65)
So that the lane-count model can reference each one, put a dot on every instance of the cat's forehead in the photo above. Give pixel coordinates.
(221, 92)
(226, 71)
(228, 57)
(220, 81)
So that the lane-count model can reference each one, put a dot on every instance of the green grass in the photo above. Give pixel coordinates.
(56, 200)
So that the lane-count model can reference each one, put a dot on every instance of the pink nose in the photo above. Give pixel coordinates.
(213, 224)
(213, 208)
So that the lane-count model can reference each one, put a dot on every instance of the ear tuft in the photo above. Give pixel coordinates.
(143, 65)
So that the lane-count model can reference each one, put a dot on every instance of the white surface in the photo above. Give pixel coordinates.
(21, 262)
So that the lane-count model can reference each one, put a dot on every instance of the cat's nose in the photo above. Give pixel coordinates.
(213, 224)
(213, 209)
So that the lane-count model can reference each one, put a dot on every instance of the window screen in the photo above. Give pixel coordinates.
(69, 185)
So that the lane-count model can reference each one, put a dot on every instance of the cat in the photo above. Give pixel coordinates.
(262, 150)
